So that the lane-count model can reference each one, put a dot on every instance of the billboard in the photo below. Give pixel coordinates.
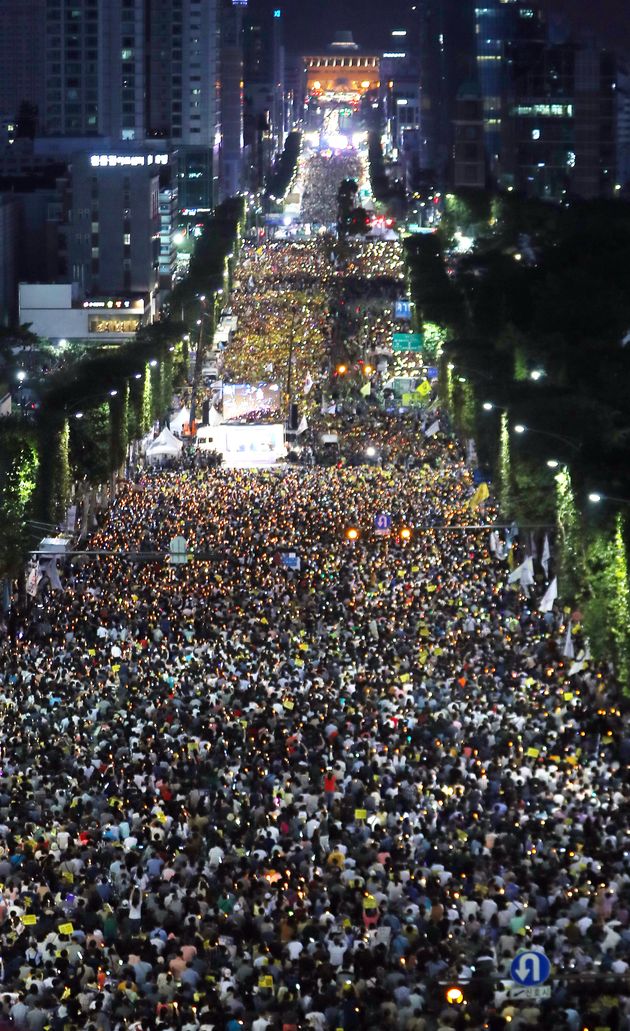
(251, 402)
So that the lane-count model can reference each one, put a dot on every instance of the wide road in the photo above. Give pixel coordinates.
(319, 774)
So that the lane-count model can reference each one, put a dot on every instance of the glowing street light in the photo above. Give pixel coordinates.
(21, 376)
(595, 497)
(405, 534)
(342, 370)
(553, 463)
(352, 534)
(113, 393)
(487, 406)
(519, 428)
(370, 451)
(536, 374)
(78, 415)
(454, 996)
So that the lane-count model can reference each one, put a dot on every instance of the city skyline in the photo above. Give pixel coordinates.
(314, 22)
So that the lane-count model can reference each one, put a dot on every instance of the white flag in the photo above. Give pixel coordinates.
(515, 575)
(523, 574)
(50, 570)
(568, 651)
(308, 384)
(546, 555)
(32, 580)
(433, 428)
(550, 595)
(302, 428)
(493, 542)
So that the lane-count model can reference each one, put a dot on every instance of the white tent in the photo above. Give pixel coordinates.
(164, 446)
(180, 420)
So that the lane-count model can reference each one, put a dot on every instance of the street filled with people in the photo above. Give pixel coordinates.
(329, 768)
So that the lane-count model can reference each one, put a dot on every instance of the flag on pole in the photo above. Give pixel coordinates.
(303, 426)
(32, 581)
(50, 570)
(308, 384)
(550, 595)
(432, 429)
(479, 496)
(523, 574)
(546, 555)
(568, 651)
(366, 390)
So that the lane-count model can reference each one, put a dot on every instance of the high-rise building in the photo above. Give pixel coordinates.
(21, 57)
(447, 60)
(184, 92)
(499, 26)
(264, 114)
(94, 68)
(232, 72)
(126, 70)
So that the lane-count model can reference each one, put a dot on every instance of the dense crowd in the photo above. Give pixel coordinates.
(322, 176)
(317, 774)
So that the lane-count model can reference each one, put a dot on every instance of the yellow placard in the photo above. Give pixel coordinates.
(404, 677)
(28, 919)
(360, 814)
(288, 704)
(568, 696)
(66, 928)
(265, 981)
(533, 753)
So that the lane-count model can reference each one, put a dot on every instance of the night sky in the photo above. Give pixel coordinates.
(312, 23)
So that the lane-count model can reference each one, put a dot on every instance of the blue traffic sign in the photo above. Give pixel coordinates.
(382, 522)
(530, 969)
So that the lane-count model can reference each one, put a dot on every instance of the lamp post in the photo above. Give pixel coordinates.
(595, 498)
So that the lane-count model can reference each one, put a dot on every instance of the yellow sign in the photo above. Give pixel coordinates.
(360, 814)
(265, 981)
(533, 753)
(66, 928)
(28, 919)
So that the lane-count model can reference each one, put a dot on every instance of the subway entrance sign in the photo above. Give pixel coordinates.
(407, 342)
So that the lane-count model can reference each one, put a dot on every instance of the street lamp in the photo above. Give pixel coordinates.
(520, 428)
(352, 534)
(595, 498)
(21, 376)
(553, 463)
(536, 374)
(370, 451)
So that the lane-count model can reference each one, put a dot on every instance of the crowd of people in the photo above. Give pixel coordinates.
(322, 175)
(317, 773)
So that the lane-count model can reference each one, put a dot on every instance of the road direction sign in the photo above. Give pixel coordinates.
(178, 549)
(382, 523)
(402, 309)
(530, 968)
(407, 342)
